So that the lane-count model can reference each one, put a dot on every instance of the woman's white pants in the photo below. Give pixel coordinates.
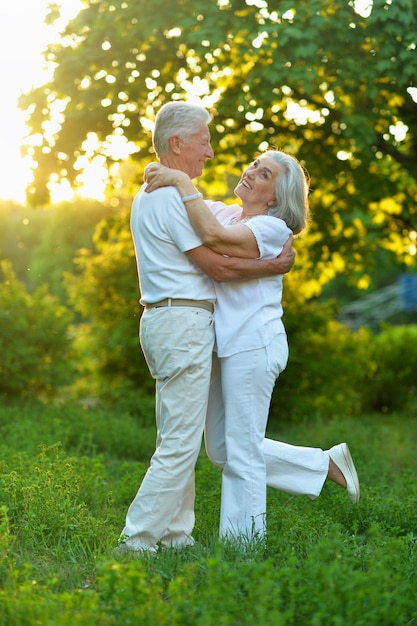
(239, 400)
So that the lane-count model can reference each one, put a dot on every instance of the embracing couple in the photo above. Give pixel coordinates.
(210, 277)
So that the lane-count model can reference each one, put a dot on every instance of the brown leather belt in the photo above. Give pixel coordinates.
(201, 304)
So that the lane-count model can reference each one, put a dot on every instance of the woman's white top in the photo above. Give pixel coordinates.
(248, 312)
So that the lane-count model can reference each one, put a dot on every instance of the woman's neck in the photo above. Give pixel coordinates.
(247, 212)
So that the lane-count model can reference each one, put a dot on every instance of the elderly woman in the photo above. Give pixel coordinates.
(251, 344)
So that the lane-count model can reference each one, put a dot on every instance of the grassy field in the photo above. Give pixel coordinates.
(69, 473)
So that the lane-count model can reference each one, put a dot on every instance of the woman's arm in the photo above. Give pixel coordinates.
(236, 240)
(222, 268)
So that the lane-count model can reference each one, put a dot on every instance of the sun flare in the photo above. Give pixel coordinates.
(23, 36)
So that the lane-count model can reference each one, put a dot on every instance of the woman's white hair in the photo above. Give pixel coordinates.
(291, 192)
(181, 119)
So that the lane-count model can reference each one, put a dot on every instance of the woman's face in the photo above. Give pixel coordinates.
(256, 188)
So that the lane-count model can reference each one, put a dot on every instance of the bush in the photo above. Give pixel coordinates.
(34, 341)
(392, 380)
(104, 292)
(327, 365)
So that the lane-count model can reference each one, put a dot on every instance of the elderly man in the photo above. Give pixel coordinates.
(176, 329)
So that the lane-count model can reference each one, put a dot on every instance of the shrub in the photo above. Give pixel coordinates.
(326, 368)
(392, 382)
(104, 292)
(34, 341)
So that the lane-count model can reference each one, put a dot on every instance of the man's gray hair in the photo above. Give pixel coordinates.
(291, 192)
(182, 119)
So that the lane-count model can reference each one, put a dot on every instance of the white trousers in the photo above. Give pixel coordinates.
(178, 344)
(239, 400)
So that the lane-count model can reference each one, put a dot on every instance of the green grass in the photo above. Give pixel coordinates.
(68, 474)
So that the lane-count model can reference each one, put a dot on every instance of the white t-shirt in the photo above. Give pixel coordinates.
(248, 312)
(162, 233)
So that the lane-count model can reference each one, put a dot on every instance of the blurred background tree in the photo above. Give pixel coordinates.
(332, 82)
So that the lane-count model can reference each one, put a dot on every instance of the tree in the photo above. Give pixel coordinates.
(316, 77)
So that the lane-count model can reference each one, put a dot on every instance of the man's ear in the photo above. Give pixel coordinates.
(175, 144)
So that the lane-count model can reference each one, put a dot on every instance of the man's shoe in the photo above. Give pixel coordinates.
(341, 456)
(127, 548)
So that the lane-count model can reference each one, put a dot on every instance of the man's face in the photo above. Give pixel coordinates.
(195, 152)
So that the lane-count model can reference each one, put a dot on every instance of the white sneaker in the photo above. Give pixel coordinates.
(341, 456)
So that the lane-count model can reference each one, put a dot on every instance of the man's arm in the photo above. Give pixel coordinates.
(221, 268)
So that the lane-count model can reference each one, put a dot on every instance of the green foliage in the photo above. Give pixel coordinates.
(20, 234)
(326, 562)
(104, 291)
(68, 227)
(86, 431)
(330, 368)
(34, 341)
(41, 244)
(327, 366)
(49, 501)
(272, 74)
(392, 380)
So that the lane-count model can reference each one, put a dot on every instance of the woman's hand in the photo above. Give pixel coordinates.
(285, 261)
(157, 175)
(151, 166)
